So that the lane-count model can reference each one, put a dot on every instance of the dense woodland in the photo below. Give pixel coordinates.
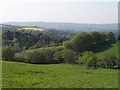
(54, 46)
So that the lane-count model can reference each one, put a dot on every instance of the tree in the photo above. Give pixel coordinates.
(68, 56)
(97, 38)
(110, 36)
(68, 45)
(58, 57)
(82, 42)
(88, 58)
(65, 56)
(108, 61)
(7, 53)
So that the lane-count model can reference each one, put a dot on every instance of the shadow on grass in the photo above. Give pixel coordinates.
(103, 46)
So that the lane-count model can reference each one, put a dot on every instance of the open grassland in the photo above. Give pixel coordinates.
(23, 75)
(107, 48)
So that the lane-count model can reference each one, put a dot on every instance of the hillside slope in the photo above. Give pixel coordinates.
(107, 48)
(23, 75)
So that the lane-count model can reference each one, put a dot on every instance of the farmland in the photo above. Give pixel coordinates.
(31, 28)
(22, 75)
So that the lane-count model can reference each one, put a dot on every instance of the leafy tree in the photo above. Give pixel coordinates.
(82, 42)
(58, 57)
(65, 56)
(68, 56)
(110, 36)
(108, 61)
(97, 38)
(87, 58)
(68, 45)
(7, 53)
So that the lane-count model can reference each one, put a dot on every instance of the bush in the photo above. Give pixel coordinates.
(19, 57)
(68, 45)
(40, 55)
(65, 56)
(108, 61)
(7, 53)
(58, 57)
(87, 58)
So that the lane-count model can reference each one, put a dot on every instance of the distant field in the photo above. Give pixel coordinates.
(22, 75)
(36, 29)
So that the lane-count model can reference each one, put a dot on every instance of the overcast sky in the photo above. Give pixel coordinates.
(75, 12)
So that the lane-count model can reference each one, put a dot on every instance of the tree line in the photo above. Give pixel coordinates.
(73, 50)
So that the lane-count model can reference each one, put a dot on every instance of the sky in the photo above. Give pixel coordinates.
(59, 11)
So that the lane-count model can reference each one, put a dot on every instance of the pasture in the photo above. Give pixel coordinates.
(107, 48)
(23, 75)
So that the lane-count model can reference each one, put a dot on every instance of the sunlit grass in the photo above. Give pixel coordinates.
(22, 75)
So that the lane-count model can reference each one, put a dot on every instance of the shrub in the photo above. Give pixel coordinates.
(19, 57)
(108, 61)
(69, 56)
(87, 58)
(58, 57)
(7, 53)
(68, 45)
(40, 55)
(65, 56)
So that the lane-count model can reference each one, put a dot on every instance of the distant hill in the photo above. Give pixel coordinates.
(68, 26)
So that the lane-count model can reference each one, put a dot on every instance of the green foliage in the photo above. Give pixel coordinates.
(58, 56)
(88, 58)
(68, 45)
(65, 56)
(110, 36)
(82, 42)
(85, 41)
(41, 55)
(91, 60)
(68, 56)
(7, 53)
(108, 61)
(46, 55)
(27, 39)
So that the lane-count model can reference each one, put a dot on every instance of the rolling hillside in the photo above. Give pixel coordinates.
(107, 48)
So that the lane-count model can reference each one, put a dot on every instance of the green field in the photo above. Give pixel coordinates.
(107, 48)
(23, 75)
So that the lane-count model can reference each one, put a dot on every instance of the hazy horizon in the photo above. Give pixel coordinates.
(53, 22)
(65, 12)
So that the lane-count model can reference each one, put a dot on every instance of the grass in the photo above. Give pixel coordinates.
(107, 48)
(23, 75)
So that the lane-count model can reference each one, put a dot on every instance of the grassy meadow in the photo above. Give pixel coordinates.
(107, 48)
(23, 75)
